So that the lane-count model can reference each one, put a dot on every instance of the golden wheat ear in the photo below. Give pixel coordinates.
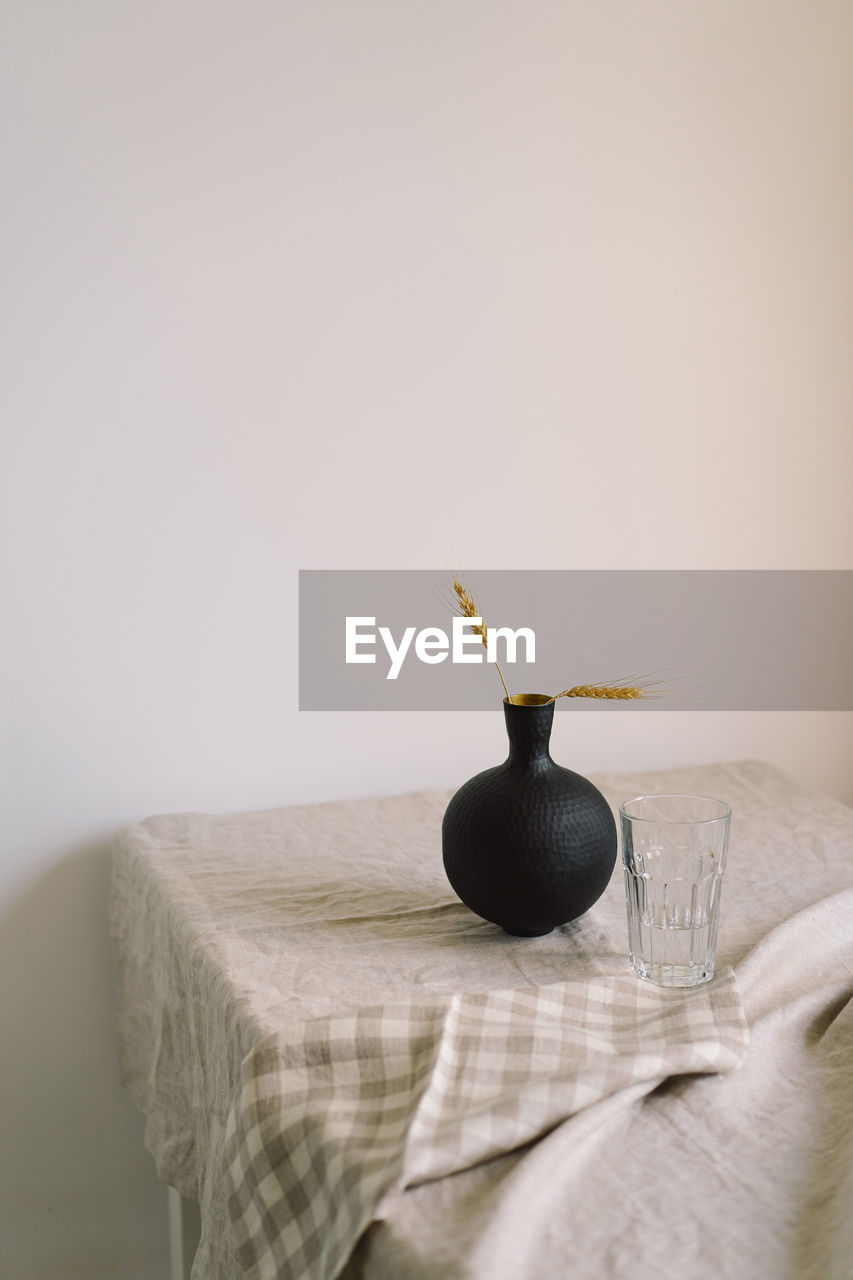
(628, 689)
(462, 602)
(602, 691)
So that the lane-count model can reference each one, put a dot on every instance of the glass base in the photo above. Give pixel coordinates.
(674, 975)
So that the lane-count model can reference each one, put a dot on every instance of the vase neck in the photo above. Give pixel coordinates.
(529, 732)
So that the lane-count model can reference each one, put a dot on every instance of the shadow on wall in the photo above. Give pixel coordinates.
(78, 1194)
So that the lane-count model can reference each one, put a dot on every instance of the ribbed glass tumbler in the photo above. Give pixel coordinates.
(674, 854)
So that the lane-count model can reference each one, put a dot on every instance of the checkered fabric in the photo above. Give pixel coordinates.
(337, 1112)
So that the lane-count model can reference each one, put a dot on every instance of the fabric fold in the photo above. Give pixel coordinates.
(337, 1112)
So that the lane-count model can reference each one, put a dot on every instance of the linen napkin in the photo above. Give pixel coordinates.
(337, 1112)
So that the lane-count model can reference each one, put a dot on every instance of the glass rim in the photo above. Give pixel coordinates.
(724, 814)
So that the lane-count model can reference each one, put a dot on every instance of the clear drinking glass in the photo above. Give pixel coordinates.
(674, 854)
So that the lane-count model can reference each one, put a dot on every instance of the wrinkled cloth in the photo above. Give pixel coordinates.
(337, 1112)
(233, 929)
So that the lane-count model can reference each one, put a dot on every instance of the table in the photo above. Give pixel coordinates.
(227, 928)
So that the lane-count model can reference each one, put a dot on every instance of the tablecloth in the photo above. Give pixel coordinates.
(230, 930)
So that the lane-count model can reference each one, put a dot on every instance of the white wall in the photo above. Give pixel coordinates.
(374, 284)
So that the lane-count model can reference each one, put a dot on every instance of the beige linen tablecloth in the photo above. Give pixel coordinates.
(339, 1112)
(241, 937)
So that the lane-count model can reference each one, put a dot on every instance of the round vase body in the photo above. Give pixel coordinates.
(529, 845)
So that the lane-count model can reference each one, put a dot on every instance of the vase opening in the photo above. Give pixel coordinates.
(530, 699)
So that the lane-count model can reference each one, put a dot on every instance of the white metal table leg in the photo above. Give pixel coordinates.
(184, 1232)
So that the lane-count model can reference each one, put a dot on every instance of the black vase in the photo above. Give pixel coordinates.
(529, 845)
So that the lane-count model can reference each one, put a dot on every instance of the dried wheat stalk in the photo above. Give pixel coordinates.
(626, 690)
(467, 607)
